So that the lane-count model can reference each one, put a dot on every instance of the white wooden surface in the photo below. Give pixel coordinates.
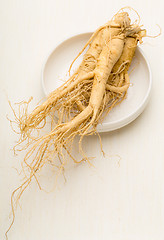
(122, 198)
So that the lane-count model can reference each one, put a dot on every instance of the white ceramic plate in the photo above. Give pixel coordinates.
(55, 72)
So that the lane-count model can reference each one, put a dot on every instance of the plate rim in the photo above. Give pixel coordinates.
(115, 125)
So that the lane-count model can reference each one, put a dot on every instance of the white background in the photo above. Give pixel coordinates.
(122, 197)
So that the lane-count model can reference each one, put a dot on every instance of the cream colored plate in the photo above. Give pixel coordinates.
(55, 72)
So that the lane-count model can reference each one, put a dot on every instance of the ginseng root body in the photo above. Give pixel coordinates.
(99, 83)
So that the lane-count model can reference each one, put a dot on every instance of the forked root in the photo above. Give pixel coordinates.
(100, 83)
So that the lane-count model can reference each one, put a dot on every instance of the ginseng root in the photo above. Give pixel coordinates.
(71, 91)
(100, 82)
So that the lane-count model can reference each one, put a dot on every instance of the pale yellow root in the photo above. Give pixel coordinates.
(100, 38)
(81, 101)
(118, 82)
(76, 125)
